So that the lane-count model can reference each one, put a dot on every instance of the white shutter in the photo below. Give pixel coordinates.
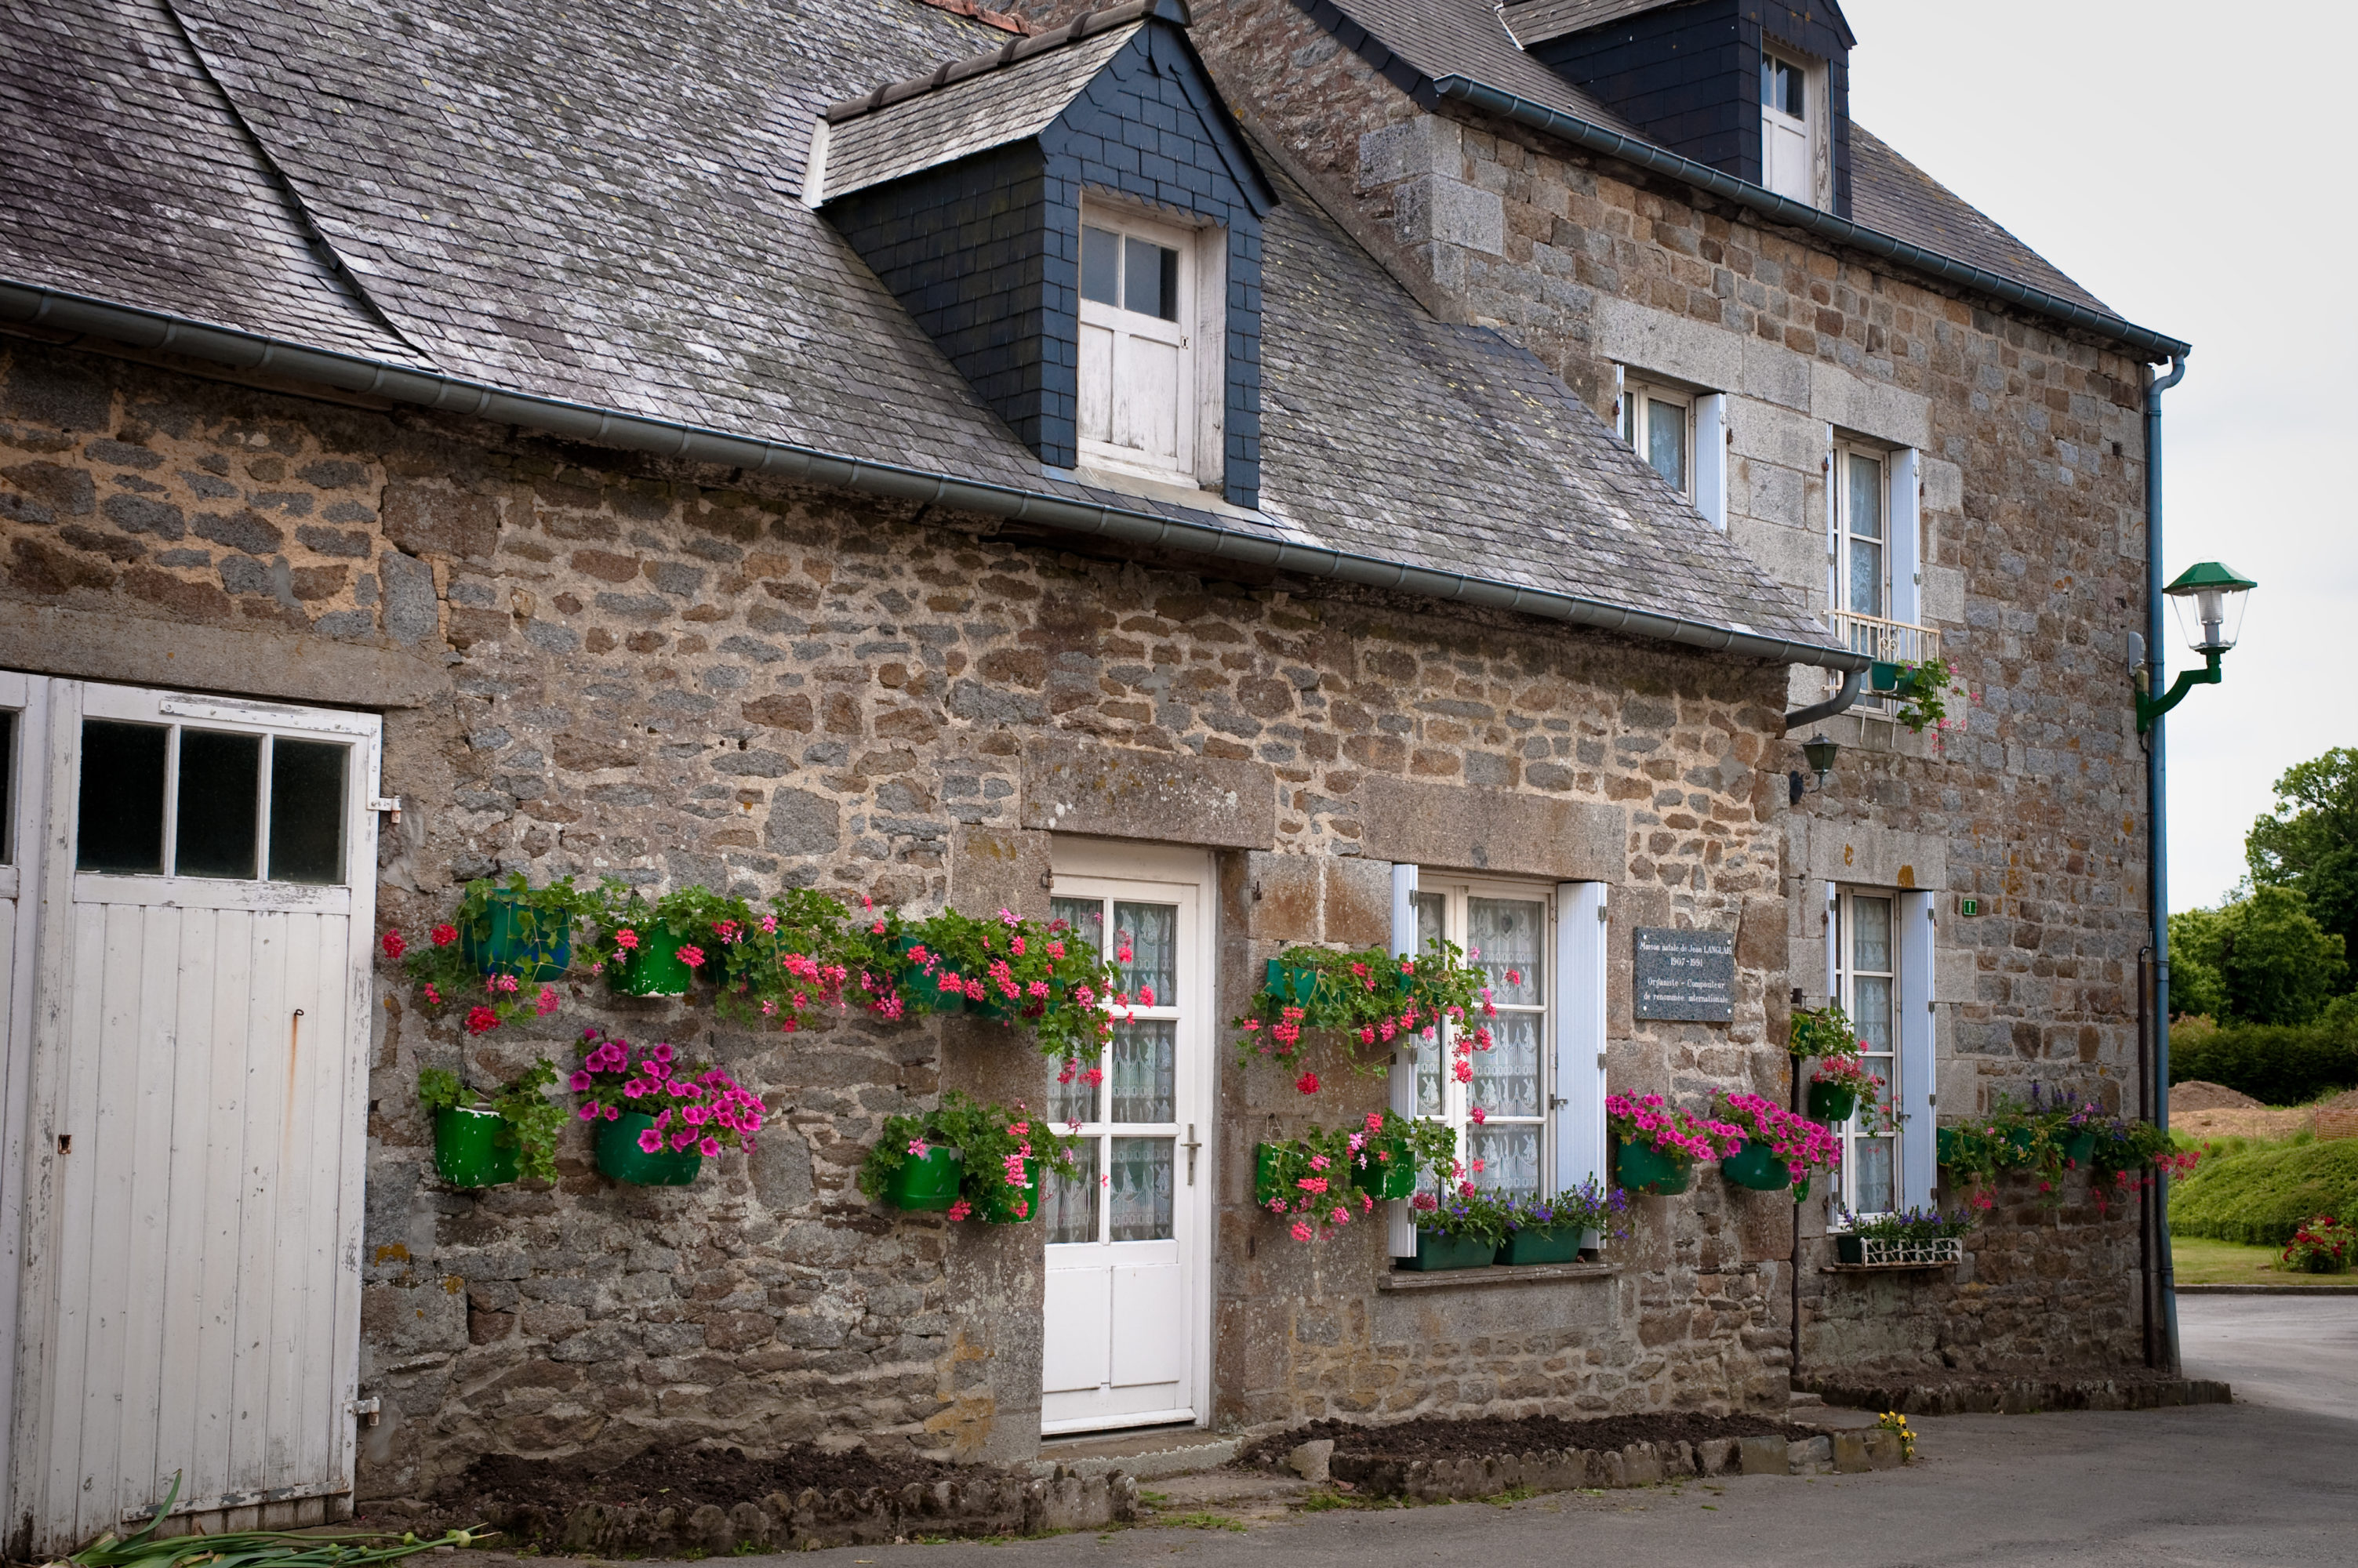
(1834, 537)
(1580, 940)
(1399, 1220)
(1833, 943)
(1906, 537)
(1915, 1064)
(1710, 458)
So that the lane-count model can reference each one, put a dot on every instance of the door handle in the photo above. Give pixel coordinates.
(1191, 1146)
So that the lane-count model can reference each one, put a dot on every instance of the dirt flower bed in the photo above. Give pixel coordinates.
(698, 1501)
(1430, 1438)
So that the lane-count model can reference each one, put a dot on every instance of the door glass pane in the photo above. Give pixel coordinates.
(1510, 1159)
(1790, 84)
(121, 824)
(1151, 281)
(1100, 265)
(1502, 937)
(1145, 1070)
(1152, 975)
(1871, 1011)
(1873, 1176)
(8, 785)
(1139, 1202)
(1072, 1201)
(307, 810)
(1666, 441)
(220, 801)
(1507, 1076)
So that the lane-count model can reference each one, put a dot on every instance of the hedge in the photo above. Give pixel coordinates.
(2277, 1063)
(2259, 1194)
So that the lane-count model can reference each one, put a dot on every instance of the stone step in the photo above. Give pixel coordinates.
(1801, 1401)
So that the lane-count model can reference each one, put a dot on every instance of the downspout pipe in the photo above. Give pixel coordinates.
(1783, 209)
(57, 310)
(1838, 703)
(2157, 783)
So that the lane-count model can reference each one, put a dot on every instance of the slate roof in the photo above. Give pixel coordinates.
(612, 216)
(1536, 21)
(1467, 38)
(963, 115)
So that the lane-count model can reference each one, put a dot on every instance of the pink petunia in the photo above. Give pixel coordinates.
(650, 1140)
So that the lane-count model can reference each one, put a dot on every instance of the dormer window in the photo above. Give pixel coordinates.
(1151, 381)
(1788, 144)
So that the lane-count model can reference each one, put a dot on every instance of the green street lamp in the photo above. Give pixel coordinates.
(2208, 600)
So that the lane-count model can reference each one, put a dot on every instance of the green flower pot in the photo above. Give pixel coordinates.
(1883, 675)
(1944, 1145)
(1434, 1252)
(467, 1150)
(998, 1205)
(620, 1156)
(1831, 1103)
(2081, 1150)
(1382, 1177)
(518, 939)
(1755, 1166)
(654, 970)
(2021, 1140)
(930, 1183)
(1290, 983)
(918, 987)
(1548, 1244)
(1641, 1168)
(1265, 1158)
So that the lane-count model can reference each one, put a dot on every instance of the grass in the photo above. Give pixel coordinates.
(2206, 1260)
(1197, 1521)
(2258, 1194)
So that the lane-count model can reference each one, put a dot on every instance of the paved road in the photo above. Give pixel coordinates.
(2287, 1352)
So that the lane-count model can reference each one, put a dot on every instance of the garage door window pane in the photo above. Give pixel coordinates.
(220, 803)
(307, 811)
(121, 819)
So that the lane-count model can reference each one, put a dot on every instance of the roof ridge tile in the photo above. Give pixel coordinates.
(1088, 24)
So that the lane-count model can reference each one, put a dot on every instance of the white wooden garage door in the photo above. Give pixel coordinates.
(193, 1120)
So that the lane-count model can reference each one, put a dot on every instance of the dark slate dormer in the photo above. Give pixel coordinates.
(964, 190)
(1686, 74)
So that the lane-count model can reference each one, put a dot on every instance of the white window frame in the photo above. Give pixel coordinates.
(1457, 1103)
(1816, 110)
(1202, 331)
(1887, 1063)
(1845, 453)
(1636, 413)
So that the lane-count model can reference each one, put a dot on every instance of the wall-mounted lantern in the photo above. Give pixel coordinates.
(1819, 752)
(2208, 600)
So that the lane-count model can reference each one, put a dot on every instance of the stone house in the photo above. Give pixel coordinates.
(1267, 476)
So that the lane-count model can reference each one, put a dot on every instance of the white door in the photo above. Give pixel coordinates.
(190, 1284)
(1785, 130)
(24, 729)
(1137, 391)
(1128, 1330)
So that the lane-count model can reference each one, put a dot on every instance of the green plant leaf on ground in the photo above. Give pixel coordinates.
(2258, 1194)
(1200, 1521)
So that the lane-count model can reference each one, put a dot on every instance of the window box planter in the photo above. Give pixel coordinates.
(1391, 1170)
(1436, 1252)
(1546, 1244)
(467, 1148)
(1877, 1253)
(516, 936)
(620, 1156)
(2081, 1150)
(1755, 1166)
(1831, 1103)
(929, 1183)
(999, 1207)
(1290, 983)
(1643, 1169)
(654, 970)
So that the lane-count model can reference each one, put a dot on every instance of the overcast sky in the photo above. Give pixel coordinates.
(2189, 165)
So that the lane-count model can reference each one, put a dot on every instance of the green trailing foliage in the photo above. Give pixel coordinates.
(1369, 997)
(259, 1548)
(529, 1120)
(1827, 1031)
(2262, 1193)
(2273, 1063)
(995, 1143)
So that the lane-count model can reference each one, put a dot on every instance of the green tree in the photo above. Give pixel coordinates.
(2309, 842)
(2262, 958)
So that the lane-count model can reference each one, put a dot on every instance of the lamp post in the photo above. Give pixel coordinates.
(2208, 600)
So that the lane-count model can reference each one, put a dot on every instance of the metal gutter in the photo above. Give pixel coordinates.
(36, 304)
(1800, 215)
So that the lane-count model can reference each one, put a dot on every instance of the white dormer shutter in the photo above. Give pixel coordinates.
(1400, 1219)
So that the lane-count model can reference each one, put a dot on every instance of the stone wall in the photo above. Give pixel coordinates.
(600, 666)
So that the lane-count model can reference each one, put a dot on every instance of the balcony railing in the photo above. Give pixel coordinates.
(1893, 642)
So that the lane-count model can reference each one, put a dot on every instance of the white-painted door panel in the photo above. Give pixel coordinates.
(190, 1289)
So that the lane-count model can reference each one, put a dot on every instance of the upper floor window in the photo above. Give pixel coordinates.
(1788, 149)
(1659, 425)
(1150, 381)
(1862, 564)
